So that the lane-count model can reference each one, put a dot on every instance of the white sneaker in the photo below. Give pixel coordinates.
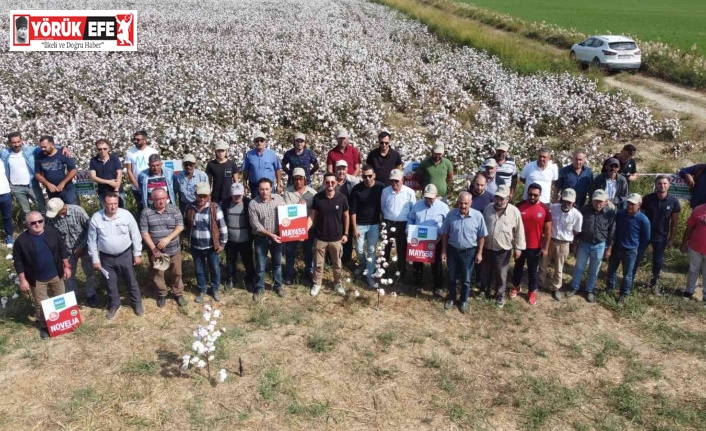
(315, 289)
(340, 290)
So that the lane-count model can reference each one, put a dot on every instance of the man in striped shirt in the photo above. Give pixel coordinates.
(160, 228)
(209, 235)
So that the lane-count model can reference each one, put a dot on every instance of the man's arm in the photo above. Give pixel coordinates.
(278, 176)
(546, 238)
(444, 245)
(310, 219)
(314, 166)
(685, 239)
(479, 250)
(67, 179)
(131, 175)
(346, 222)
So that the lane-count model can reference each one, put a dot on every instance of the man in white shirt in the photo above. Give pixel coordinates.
(115, 246)
(543, 172)
(396, 202)
(136, 161)
(566, 222)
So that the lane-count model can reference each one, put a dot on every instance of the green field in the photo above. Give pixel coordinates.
(681, 23)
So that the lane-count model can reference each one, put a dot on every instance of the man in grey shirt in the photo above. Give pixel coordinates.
(235, 211)
(115, 245)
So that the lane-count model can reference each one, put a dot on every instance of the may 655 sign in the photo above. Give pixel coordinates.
(73, 30)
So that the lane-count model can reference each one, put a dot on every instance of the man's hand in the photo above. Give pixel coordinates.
(156, 252)
(688, 179)
(344, 239)
(67, 272)
(606, 255)
(60, 187)
(137, 260)
(545, 252)
(276, 238)
(219, 249)
(24, 285)
(443, 256)
(162, 243)
(479, 258)
(574, 247)
(97, 266)
(52, 188)
(518, 253)
(356, 234)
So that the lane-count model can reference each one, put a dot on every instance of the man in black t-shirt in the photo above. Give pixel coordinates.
(329, 217)
(365, 221)
(222, 173)
(107, 172)
(662, 209)
(628, 167)
(384, 159)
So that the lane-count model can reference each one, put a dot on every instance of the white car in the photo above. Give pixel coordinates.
(607, 52)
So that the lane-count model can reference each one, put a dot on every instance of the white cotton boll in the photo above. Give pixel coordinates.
(207, 307)
(381, 292)
(365, 272)
(356, 294)
(211, 358)
(393, 229)
(201, 363)
(393, 294)
(397, 274)
(370, 259)
(394, 258)
(12, 275)
(390, 281)
(222, 375)
(385, 265)
(348, 280)
(8, 257)
(196, 346)
(217, 314)
(3, 301)
(207, 316)
(194, 359)
(223, 329)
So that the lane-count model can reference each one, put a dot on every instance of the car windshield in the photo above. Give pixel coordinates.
(623, 46)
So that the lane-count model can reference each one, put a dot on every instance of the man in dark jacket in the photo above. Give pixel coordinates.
(615, 186)
(41, 244)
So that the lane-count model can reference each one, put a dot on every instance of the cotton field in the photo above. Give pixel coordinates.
(212, 70)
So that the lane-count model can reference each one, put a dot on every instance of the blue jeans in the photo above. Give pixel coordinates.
(203, 258)
(627, 258)
(659, 245)
(369, 233)
(6, 210)
(291, 250)
(531, 256)
(138, 201)
(460, 267)
(68, 195)
(587, 254)
(264, 244)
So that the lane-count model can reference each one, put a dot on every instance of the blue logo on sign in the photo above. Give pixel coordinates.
(422, 232)
(292, 211)
(59, 303)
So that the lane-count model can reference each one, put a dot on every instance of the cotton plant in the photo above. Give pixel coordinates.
(204, 346)
(381, 264)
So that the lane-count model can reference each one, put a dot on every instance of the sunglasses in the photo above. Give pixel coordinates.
(257, 141)
(383, 143)
(37, 222)
(102, 149)
(533, 195)
(330, 182)
(368, 176)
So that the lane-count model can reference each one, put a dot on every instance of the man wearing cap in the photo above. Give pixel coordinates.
(209, 235)
(463, 235)
(397, 201)
(492, 180)
(576, 176)
(543, 172)
(329, 218)
(365, 210)
(299, 157)
(41, 262)
(429, 211)
(55, 171)
(346, 152)
(115, 246)
(694, 178)
(136, 161)
(505, 234)
(21, 27)
(632, 235)
(593, 242)
(161, 226)
(299, 193)
(566, 224)
(384, 159)
(106, 171)
(235, 211)
(156, 176)
(262, 162)
(537, 223)
(222, 173)
(71, 221)
(263, 219)
(615, 186)
(507, 169)
(662, 210)
(436, 169)
(628, 167)
(186, 181)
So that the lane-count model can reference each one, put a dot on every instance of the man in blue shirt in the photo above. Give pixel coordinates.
(632, 235)
(156, 176)
(428, 211)
(575, 176)
(462, 238)
(185, 182)
(299, 157)
(261, 162)
(55, 171)
(694, 178)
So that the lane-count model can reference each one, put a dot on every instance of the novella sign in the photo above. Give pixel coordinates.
(62, 314)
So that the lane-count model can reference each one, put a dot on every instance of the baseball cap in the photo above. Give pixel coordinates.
(341, 163)
(634, 198)
(237, 189)
(54, 205)
(189, 158)
(221, 146)
(396, 174)
(300, 136)
(612, 161)
(491, 163)
(438, 148)
(342, 133)
(600, 195)
(503, 191)
(430, 191)
(259, 135)
(503, 146)
(568, 195)
(203, 189)
(299, 172)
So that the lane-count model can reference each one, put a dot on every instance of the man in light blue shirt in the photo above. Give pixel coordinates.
(156, 176)
(428, 211)
(186, 181)
(261, 162)
(462, 238)
(396, 203)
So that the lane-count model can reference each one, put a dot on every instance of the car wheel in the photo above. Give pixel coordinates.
(596, 64)
(572, 56)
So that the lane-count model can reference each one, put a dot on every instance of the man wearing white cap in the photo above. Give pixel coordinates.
(505, 234)
(396, 202)
(262, 162)
(492, 179)
(222, 173)
(346, 152)
(72, 223)
(235, 210)
(632, 236)
(186, 181)
(566, 224)
(136, 161)
(543, 172)
(365, 211)
(106, 171)
(436, 169)
(299, 193)
(507, 168)
(428, 211)
(299, 157)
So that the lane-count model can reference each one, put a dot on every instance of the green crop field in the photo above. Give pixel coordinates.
(681, 23)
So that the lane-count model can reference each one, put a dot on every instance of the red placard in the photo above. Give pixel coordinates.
(293, 222)
(421, 243)
(62, 314)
